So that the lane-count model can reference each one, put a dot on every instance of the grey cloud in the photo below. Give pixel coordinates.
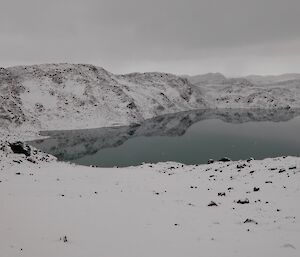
(134, 33)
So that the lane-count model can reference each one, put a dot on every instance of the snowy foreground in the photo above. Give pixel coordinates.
(57, 209)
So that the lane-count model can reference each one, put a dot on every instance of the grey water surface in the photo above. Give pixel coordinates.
(189, 137)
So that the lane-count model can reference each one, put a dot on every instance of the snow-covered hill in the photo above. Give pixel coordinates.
(60, 96)
(73, 96)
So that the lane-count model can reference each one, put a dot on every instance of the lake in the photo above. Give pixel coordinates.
(189, 137)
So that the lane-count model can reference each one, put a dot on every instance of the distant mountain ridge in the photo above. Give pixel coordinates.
(270, 92)
(219, 78)
(207, 78)
(274, 79)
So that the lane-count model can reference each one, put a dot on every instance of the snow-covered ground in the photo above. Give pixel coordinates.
(49, 208)
(57, 209)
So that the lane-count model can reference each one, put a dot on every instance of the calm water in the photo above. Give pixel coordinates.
(192, 137)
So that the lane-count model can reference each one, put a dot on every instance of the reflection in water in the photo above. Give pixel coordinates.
(188, 137)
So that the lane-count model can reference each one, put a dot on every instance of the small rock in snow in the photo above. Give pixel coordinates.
(210, 161)
(225, 159)
(212, 203)
(250, 221)
(243, 201)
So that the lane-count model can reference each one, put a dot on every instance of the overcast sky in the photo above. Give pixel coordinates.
(235, 37)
